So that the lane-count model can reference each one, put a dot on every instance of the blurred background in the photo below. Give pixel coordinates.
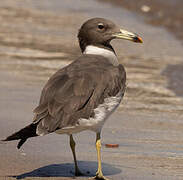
(37, 37)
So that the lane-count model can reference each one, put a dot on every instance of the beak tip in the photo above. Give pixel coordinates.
(138, 39)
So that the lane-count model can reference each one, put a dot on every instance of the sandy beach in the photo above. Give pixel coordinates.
(39, 37)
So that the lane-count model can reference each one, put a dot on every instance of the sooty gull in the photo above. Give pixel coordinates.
(82, 95)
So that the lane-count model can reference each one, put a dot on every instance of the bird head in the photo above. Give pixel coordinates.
(100, 31)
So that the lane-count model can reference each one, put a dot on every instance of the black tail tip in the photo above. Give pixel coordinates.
(21, 142)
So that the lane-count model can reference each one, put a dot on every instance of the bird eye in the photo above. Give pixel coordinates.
(100, 26)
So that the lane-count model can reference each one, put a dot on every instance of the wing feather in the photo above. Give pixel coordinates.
(74, 93)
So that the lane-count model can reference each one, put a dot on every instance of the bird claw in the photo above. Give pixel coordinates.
(78, 173)
(98, 177)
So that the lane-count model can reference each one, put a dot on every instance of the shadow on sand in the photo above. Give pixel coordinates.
(67, 170)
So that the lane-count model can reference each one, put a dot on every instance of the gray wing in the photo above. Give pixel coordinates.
(70, 95)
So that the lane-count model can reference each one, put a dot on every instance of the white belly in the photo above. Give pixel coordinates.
(101, 113)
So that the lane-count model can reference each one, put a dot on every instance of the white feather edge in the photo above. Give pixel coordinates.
(101, 113)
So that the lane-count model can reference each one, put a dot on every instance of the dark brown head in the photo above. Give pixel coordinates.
(99, 32)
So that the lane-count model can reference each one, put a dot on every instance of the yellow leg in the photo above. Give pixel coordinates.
(99, 174)
(72, 145)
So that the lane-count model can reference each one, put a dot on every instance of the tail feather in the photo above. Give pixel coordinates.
(23, 134)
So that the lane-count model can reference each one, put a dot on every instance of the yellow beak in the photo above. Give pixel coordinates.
(123, 34)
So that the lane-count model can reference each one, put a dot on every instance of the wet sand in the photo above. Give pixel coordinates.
(148, 123)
